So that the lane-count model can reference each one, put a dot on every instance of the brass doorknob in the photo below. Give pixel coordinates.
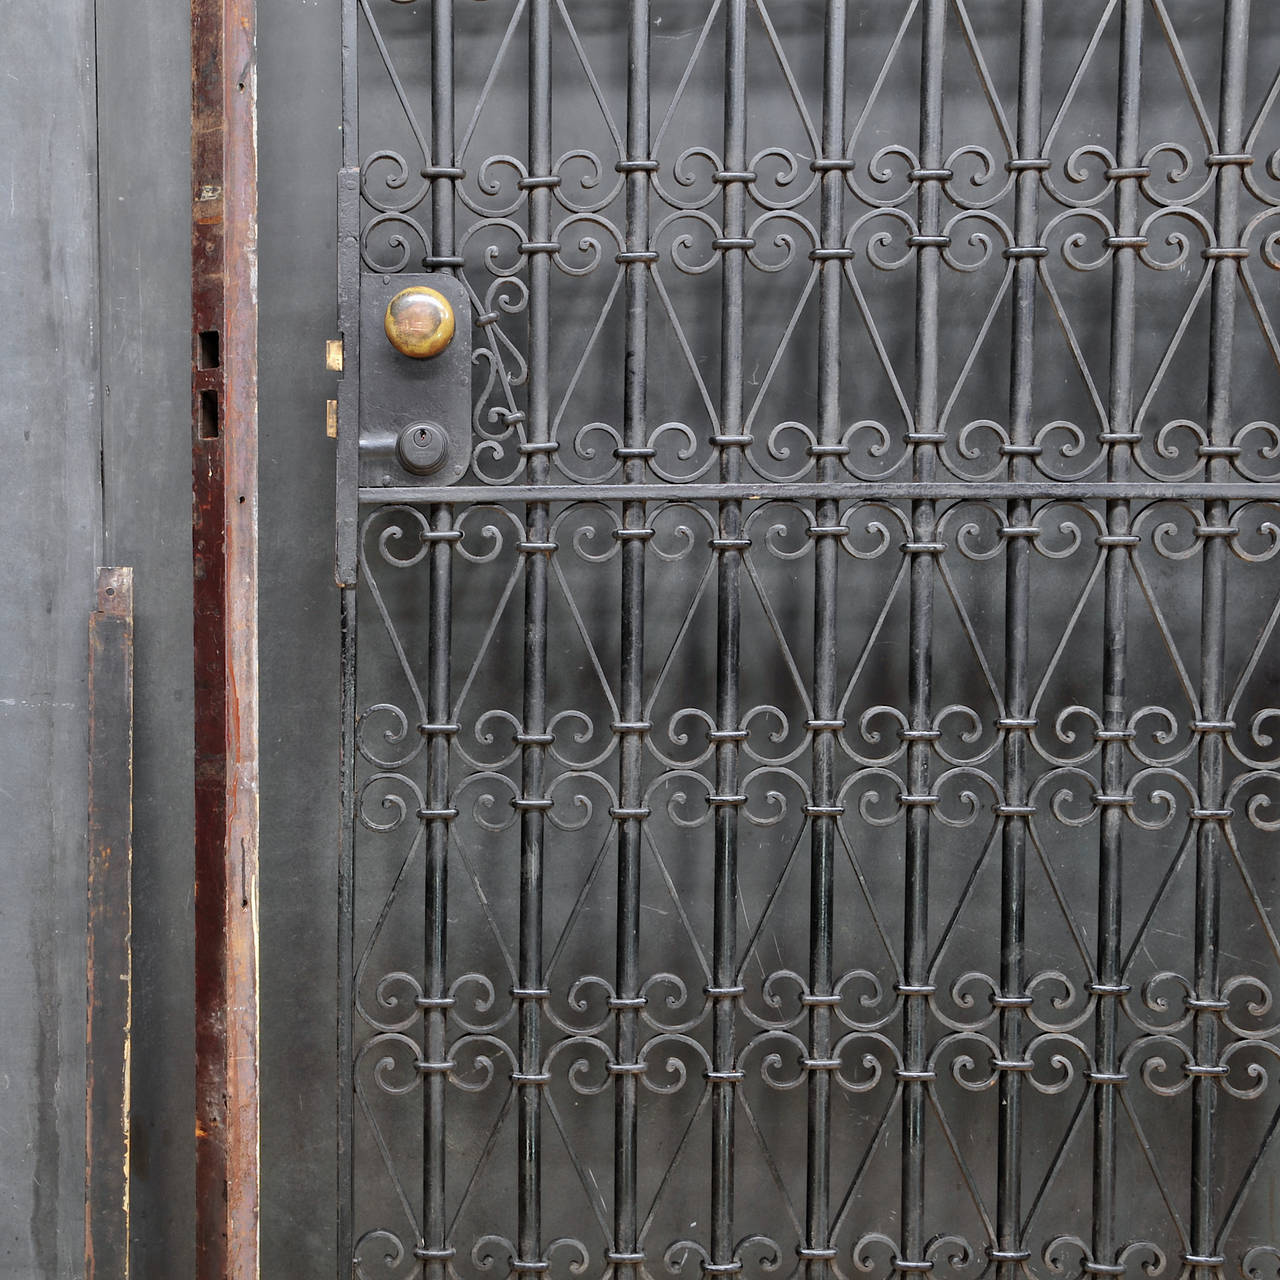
(419, 322)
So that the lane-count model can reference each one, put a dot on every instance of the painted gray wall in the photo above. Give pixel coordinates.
(50, 538)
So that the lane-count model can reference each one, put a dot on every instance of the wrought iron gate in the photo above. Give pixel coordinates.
(811, 771)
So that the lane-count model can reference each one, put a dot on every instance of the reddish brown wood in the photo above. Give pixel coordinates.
(109, 970)
(224, 545)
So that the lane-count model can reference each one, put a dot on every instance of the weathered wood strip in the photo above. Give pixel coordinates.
(109, 968)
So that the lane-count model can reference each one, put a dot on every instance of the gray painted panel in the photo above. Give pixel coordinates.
(299, 149)
(144, 104)
(50, 519)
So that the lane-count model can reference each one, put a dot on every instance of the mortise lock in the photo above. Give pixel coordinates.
(413, 359)
(419, 322)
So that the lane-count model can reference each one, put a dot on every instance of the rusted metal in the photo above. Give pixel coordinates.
(109, 968)
(224, 544)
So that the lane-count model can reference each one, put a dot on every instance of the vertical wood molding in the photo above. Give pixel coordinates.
(224, 545)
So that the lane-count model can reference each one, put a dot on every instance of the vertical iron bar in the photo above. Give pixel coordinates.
(1009, 1254)
(924, 438)
(830, 257)
(534, 738)
(433, 1248)
(728, 544)
(347, 514)
(346, 933)
(1213, 621)
(636, 167)
(1119, 439)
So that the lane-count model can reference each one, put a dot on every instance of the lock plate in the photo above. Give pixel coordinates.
(398, 391)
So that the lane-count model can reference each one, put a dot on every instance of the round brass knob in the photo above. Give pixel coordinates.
(419, 322)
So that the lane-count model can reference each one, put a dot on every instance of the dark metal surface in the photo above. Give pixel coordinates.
(224, 316)
(109, 968)
(397, 391)
(809, 790)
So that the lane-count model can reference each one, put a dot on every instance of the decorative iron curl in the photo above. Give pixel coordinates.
(1255, 1071)
(772, 1062)
(578, 1068)
(1266, 451)
(1179, 167)
(486, 736)
(1170, 1014)
(490, 532)
(580, 801)
(775, 799)
(676, 1071)
(1062, 995)
(382, 782)
(1079, 788)
(1257, 1008)
(956, 1252)
(1058, 1253)
(686, 175)
(1261, 803)
(788, 169)
(1175, 237)
(479, 1051)
(871, 999)
(881, 1047)
(489, 1249)
(1078, 169)
(486, 803)
(677, 997)
(984, 171)
(778, 1000)
(386, 997)
(882, 172)
(589, 453)
(1155, 1065)
(482, 1004)
(1253, 527)
(877, 786)
(681, 737)
(404, 230)
(1071, 245)
(588, 245)
(489, 181)
(677, 1255)
(397, 731)
(681, 245)
(589, 181)
(977, 239)
(391, 1044)
(385, 1251)
(887, 526)
(782, 240)
(584, 734)
(397, 180)
(586, 533)
(491, 253)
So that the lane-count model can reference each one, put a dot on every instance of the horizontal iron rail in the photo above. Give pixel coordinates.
(852, 489)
